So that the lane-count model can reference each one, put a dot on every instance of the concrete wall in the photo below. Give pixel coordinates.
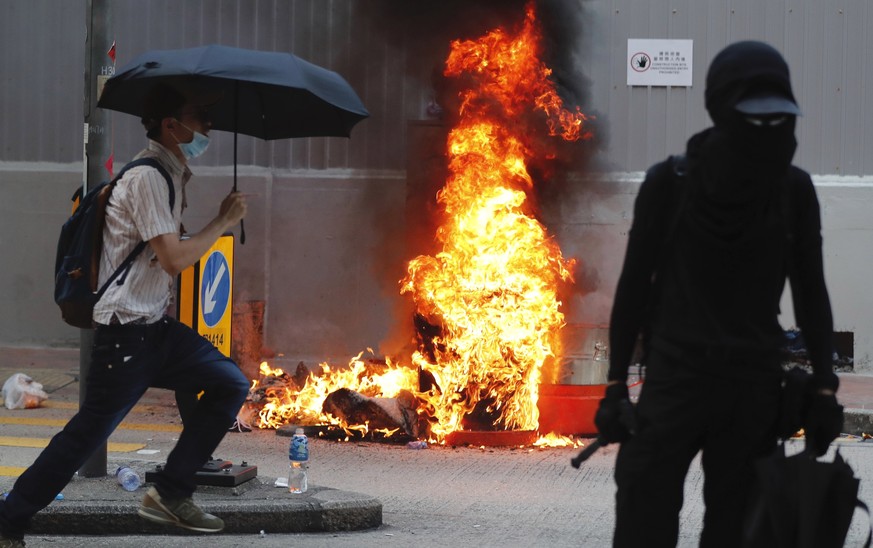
(326, 253)
(35, 203)
(592, 225)
(323, 250)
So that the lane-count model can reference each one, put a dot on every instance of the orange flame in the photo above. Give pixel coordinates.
(492, 289)
(285, 404)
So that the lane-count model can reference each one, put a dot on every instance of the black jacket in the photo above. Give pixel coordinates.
(697, 288)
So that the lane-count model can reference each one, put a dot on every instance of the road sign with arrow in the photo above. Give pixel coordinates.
(205, 294)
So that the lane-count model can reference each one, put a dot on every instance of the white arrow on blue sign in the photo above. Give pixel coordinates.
(214, 289)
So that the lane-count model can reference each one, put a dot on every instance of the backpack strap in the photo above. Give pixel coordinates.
(125, 266)
(678, 197)
(150, 162)
(788, 222)
(679, 163)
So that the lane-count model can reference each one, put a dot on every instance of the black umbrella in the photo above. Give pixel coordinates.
(270, 95)
(801, 502)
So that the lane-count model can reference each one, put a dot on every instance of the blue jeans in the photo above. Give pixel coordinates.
(126, 360)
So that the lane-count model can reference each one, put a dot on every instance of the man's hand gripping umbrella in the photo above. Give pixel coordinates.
(615, 420)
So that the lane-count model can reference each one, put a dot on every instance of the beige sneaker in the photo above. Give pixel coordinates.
(180, 512)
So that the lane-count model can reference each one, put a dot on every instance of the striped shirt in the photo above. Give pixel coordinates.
(139, 210)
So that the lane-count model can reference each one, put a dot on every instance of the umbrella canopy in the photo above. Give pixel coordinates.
(269, 95)
(265, 94)
(800, 502)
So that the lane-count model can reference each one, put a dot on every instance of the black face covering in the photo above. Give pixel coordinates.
(737, 161)
(742, 161)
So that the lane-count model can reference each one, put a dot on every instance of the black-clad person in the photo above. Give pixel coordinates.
(714, 237)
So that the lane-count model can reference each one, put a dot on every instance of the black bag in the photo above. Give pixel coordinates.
(800, 502)
(77, 263)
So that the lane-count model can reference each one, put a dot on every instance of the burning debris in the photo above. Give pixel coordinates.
(387, 415)
(487, 307)
(302, 398)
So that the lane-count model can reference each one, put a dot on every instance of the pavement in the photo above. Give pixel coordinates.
(390, 495)
(98, 506)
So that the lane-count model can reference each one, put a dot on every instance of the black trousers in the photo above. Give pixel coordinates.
(685, 408)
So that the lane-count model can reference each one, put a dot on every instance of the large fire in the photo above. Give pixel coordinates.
(490, 294)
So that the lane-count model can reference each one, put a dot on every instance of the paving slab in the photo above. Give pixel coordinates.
(99, 506)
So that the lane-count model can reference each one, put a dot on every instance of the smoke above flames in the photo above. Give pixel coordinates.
(426, 27)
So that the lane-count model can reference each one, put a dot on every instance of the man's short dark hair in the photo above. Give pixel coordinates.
(162, 101)
(166, 100)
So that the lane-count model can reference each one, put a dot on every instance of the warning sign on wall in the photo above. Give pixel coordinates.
(659, 62)
(205, 294)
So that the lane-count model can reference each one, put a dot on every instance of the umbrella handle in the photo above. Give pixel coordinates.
(242, 224)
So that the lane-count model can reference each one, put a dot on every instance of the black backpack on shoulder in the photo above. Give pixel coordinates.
(77, 263)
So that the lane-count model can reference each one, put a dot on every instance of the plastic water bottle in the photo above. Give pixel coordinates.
(298, 454)
(127, 478)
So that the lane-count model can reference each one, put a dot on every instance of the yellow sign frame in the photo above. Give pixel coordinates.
(189, 308)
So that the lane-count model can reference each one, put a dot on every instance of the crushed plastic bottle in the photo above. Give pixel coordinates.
(127, 478)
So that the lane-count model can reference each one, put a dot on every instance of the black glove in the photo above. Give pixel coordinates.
(614, 417)
(824, 422)
(795, 402)
(823, 419)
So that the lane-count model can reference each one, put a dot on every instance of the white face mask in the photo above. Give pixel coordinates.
(196, 147)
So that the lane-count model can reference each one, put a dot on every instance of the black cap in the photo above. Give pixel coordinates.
(750, 77)
(767, 102)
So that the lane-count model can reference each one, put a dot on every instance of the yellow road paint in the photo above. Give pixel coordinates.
(11, 471)
(37, 421)
(51, 404)
(10, 441)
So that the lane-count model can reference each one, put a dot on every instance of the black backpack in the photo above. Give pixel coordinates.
(77, 263)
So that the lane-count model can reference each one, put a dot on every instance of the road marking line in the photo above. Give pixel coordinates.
(11, 441)
(51, 404)
(37, 421)
(11, 471)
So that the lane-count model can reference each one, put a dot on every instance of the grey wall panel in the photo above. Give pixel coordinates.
(826, 44)
(44, 51)
(41, 91)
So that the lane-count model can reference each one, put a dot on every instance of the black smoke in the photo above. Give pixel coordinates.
(427, 27)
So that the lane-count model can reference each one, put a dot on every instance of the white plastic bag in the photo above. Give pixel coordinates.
(22, 392)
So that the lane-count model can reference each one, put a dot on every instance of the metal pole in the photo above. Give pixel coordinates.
(99, 66)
